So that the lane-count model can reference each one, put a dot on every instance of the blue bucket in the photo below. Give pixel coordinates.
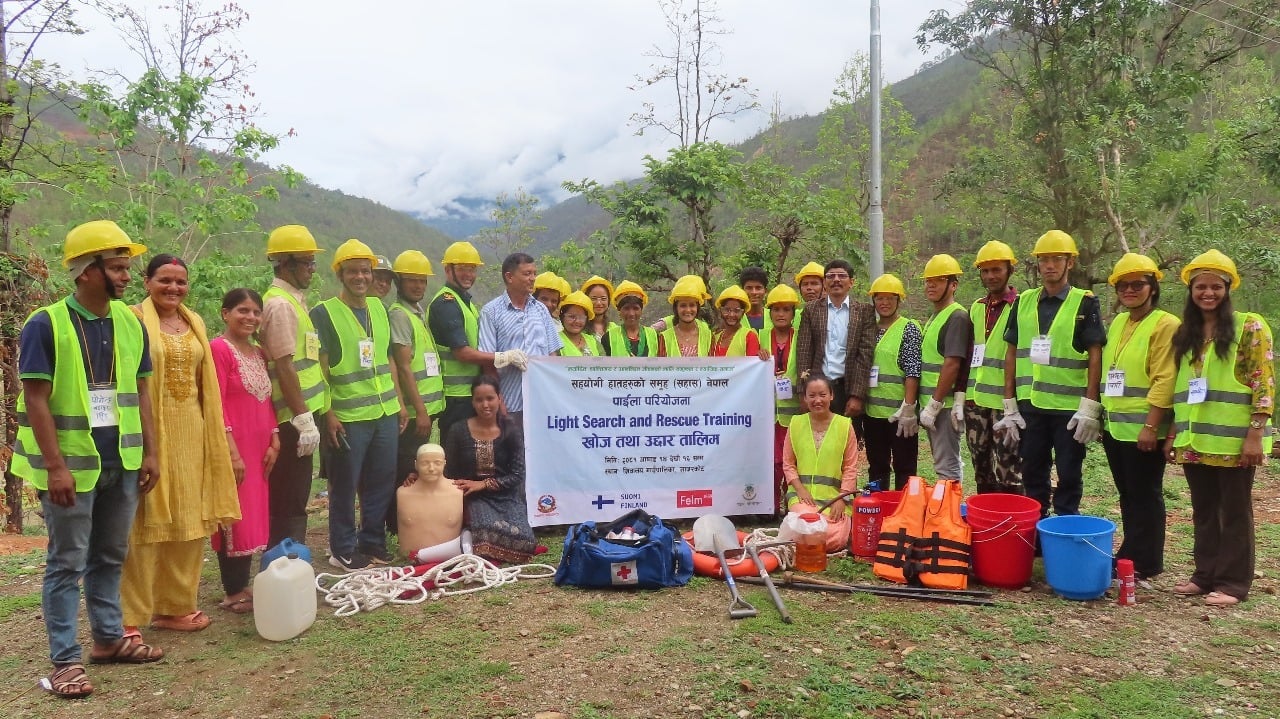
(1077, 554)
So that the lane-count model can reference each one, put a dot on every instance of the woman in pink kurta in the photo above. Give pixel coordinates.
(254, 443)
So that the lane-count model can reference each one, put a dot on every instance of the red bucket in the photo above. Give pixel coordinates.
(889, 501)
(1004, 535)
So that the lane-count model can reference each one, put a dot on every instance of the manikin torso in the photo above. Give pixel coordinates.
(429, 511)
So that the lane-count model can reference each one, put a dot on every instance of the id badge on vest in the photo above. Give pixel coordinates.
(1197, 390)
(782, 387)
(433, 363)
(102, 407)
(979, 354)
(1115, 383)
(366, 354)
(311, 346)
(1040, 348)
(874, 381)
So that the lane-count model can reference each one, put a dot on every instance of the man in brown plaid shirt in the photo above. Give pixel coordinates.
(836, 339)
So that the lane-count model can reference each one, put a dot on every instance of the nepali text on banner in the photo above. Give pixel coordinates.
(677, 437)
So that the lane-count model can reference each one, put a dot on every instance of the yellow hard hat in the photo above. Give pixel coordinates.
(1211, 261)
(733, 292)
(941, 266)
(596, 280)
(549, 281)
(813, 269)
(579, 299)
(890, 285)
(412, 262)
(1133, 262)
(994, 251)
(353, 249)
(96, 237)
(689, 287)
(564, 287)
(288, 239)
(781, 295)
(627, 287)
(462, 253)
(1055, 242)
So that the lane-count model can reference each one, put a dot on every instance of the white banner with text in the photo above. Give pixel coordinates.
(677, 437)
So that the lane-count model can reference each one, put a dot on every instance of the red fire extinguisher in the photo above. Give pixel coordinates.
(866, 525)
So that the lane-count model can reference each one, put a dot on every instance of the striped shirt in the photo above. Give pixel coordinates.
(503, 326)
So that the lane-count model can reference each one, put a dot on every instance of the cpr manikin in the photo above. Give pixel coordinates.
(429, 511)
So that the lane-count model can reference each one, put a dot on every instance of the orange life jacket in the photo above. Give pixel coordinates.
(924, 541)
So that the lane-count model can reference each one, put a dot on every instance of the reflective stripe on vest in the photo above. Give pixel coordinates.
(69, 402)
(569, 349)
(431, 389)
(361, 393)
(310, 376)
(671, 345)
(1059, 384)
(986, 381)
(819, 467)
(886, 397)
(1124, 416)
(1219, 424)
(786, 409)
(458, 374)
(931, 359)
(620, 346)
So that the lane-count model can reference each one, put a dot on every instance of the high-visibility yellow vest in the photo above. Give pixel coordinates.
(986, 381)
(819, 467)
(310, 376)
(672, 345)
(569, 349)
(738, 343)
(619, 346)
(458, 374)
(1059, 384)
(69, 402)
(786, 409)
(1217, 425)
(430, 387)
(886, 397)
(1125, 415)
(931, 359)
(361, 393)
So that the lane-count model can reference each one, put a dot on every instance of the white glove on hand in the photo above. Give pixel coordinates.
(308, 435)
(929, 417)
(905, 418)
(1011, 424)
(514, 358)
(957, 412)
(1087, 421)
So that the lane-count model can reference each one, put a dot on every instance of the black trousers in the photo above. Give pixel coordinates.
(234, 572)
(1139, 478)
(887, 451)
(1222, 515)
(1047, 442)
(289, 490)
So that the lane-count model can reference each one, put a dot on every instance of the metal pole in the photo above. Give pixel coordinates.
(875, 213)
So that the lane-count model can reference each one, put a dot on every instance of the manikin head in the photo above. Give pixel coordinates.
(430, 463)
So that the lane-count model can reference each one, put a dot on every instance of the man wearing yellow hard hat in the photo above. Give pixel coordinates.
(298, 388)
(366, 415)
(809, 283)
(86, 442)
(1053, 364)
(417, 361)
(454, 321)
(944, 368)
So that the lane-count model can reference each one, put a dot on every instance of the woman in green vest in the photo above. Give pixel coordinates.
(734, 339)
(781, 304)
(686, 335)
(892, 430)
(599, 291)
(575, 312)
(1223, 399)
(1137, 392)
(820, 461)
(630, 339)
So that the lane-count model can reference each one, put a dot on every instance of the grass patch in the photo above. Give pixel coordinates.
(13, 604)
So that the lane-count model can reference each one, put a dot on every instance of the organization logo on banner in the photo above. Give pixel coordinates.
(546, 504)
(600, 502)
(689, 498)
(624, 573)
(749, 497)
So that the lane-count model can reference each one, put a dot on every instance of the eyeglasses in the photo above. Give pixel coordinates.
(309, 264)
(731, 310)
(837, 276)
(1130, 285)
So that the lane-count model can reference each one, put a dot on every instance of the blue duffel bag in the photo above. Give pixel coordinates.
(658, 556)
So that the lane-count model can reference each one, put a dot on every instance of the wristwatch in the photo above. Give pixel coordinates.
(1255, 424)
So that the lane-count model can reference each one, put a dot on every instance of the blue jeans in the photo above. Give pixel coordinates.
(88, 541)
(368, 470)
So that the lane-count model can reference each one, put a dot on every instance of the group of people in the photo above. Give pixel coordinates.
(145, 437)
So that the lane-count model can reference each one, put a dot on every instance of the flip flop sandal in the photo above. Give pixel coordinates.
(130, 650)
(69, 681)
(192, 622)
(243, 605)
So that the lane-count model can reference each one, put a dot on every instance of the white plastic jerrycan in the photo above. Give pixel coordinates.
(284, 598)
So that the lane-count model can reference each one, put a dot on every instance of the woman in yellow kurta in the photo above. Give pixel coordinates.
(197, 489)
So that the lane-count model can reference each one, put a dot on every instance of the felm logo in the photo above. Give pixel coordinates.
(693, 498)
(749, 492)
(624, 573)
(546, 504)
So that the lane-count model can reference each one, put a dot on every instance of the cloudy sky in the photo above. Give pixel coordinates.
(420, 104)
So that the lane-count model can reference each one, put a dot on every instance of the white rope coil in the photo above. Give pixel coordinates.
(365, 590)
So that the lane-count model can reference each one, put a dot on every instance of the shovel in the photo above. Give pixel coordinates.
(716, 533)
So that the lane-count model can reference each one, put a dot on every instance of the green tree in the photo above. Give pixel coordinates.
(517, 220)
